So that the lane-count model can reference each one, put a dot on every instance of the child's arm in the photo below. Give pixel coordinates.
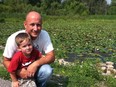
(15, 82)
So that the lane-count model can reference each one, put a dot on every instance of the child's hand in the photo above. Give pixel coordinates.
(22, 73)
(15, 84)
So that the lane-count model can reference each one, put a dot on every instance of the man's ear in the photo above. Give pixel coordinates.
(25, 24)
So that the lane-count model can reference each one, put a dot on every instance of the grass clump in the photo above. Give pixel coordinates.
(4, 74)
(83, 74)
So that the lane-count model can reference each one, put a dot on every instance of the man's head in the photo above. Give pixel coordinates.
(23, 41)
(33, 24)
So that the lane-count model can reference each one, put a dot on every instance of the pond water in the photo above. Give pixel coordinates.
(71, 57)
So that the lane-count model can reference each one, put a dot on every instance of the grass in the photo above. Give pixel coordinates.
(86, 39)
(1, 52)
(4, 74)
(81, 75)
(84, 74)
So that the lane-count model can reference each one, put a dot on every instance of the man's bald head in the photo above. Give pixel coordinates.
(33, 24)
(33, 14)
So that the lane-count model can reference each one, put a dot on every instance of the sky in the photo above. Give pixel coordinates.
(108, 2)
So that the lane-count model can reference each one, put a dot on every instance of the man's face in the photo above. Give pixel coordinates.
(33, 26)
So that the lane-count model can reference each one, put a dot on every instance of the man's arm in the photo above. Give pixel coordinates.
(6, 62)
(47, 59)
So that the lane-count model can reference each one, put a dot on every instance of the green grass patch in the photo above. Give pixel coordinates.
(84, 74)
(94, 36)
(1, 52)
(4, 74)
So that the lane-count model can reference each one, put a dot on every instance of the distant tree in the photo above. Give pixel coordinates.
(1, 1)
(96, 6)
(34, 2)
(75, 7)
(112, 8)
(57, 7)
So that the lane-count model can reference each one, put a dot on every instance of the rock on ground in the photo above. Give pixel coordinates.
(5, 83)
(55, 81)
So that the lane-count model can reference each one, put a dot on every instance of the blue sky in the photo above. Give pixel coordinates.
(109, 2)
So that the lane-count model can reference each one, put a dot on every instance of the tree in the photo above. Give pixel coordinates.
(96, 6)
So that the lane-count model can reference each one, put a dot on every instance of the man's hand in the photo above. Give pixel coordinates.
(23, 73)
(31, 69)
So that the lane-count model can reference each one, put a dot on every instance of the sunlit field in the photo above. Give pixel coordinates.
(84, 41)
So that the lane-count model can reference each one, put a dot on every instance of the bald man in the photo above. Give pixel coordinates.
(40, 69)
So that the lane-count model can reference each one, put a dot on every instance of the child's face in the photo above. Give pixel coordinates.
(26, 47)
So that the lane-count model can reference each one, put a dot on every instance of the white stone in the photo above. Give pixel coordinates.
(114, 71)
(61, 61)
(103, 68)
(108, 72)
(110, 67)
(101, 64)
(109, 63)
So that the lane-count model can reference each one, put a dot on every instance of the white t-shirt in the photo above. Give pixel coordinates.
(42, 43)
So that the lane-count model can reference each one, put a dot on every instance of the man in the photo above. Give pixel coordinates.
(41, 41)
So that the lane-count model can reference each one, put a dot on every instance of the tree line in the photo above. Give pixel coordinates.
(56, 7)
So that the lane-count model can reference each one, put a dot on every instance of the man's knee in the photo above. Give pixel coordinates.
(46, 69)
(43, 75)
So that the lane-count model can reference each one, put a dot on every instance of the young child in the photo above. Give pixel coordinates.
(22, 59)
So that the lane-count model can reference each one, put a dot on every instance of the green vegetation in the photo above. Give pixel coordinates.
(4, 74)
(77, 37)
(1, 51)
(56, 7)
(87, 38)
(84, 74)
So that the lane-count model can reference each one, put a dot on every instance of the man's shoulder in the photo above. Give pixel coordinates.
(43, 31)
(17, 32)
(14, 34)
